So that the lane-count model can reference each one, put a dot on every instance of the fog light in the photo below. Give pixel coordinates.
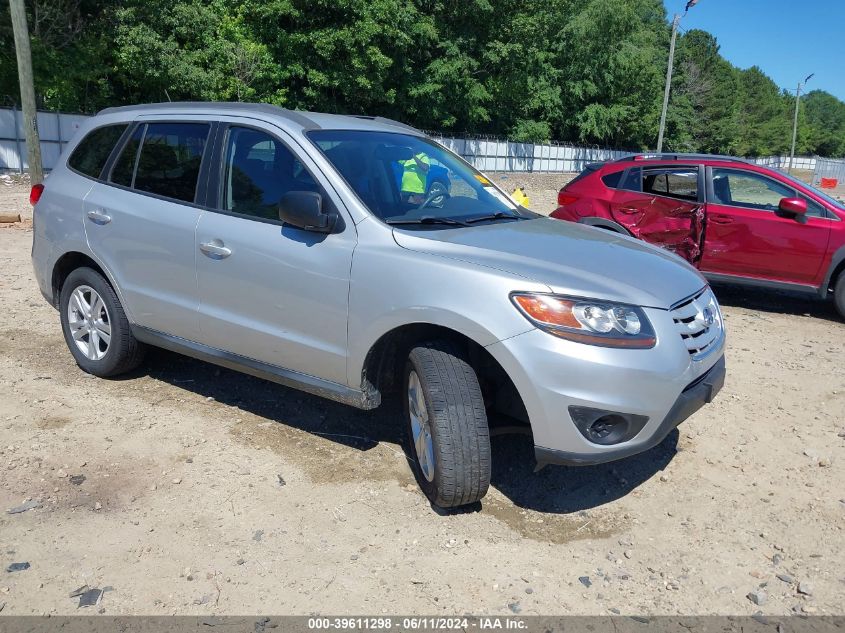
(606, 427)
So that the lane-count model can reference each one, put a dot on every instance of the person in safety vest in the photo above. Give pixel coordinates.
(415, 177)
(520, 197)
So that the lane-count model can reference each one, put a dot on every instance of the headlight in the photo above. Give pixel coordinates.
(587, 320)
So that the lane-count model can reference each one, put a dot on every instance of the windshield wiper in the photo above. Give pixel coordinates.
(428, 219)
(499, 215)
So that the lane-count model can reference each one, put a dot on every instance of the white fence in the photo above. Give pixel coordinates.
(497, 155)
(55, 129)
(782, 162)
(486, 154)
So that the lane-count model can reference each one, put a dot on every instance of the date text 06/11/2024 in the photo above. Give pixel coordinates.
(416, 623)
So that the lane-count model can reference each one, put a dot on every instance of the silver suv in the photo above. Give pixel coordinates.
(352, 257)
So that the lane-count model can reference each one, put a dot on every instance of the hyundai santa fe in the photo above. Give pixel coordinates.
(735, 221)
(285, 245)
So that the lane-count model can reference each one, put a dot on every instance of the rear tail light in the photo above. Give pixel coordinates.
(564, 198)
(35, 194)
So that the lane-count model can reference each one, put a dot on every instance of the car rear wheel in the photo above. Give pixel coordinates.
(448, 436)
(95, 326)
(839, 294)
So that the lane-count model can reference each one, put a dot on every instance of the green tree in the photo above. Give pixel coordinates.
(825, 117)
(585, 71)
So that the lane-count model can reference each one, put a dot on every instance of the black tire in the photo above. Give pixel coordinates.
(457, 421)
(123, 352)
(839, 294)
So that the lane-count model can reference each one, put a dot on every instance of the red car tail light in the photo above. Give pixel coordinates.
(564, 198)
(35, 194)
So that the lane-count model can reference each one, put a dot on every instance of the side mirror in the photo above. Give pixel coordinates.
(793, 206)
(304, 210)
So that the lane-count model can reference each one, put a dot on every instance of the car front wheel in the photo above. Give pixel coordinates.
(448, 435)
(839, 294)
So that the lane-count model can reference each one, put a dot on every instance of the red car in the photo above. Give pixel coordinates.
(735, 221)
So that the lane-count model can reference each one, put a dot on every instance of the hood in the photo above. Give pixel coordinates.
(569, 258)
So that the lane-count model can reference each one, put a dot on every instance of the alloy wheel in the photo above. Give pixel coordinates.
(420, 427)
(89, 322)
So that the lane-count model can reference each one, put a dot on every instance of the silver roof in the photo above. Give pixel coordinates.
(304, 120)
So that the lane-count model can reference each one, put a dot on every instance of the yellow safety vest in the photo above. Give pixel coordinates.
(413, 177)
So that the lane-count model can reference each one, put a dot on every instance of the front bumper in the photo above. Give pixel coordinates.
(553, 376)
(701, 392)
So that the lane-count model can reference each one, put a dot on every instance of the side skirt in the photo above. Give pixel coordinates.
(288, 378)
(760, 283)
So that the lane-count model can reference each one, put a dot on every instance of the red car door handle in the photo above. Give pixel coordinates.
(721, 219)
(628, 210)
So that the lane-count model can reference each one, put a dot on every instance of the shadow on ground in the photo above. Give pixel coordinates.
(554, 489)
(564, 490)
(776, 301)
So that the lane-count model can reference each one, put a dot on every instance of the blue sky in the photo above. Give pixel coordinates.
(788, 39)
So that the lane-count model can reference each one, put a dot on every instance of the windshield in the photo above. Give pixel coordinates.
(821, 194)
(410, 180)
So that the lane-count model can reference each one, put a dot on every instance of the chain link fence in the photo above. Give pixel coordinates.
(830, 170)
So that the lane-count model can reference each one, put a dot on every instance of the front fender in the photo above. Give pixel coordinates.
(837, 258)
(392, 286)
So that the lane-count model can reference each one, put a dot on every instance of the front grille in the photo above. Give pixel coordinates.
(699, 322)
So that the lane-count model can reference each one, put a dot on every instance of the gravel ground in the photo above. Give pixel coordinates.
(194, 490)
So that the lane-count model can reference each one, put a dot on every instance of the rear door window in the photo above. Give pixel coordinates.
(170, 159)
(93, 151)
(672, 183)
(632, 180)
(123, 171)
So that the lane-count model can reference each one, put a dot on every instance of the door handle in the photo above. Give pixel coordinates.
(215, 249)
(721, 219)
(99, 216)
(629, 210)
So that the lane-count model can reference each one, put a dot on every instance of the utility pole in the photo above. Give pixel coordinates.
(668, 89)
(795, 122)
(30, 120)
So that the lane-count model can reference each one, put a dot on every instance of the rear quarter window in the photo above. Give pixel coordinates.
(612, 179)
(90, 156)
(587, 171)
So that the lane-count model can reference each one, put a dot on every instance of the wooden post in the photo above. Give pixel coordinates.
(30, 114)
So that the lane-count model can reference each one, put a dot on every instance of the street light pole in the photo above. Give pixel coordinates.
(795, 122)
(33, 143)
(675, 24)
(668, 87)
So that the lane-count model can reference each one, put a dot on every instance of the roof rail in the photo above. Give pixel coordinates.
(680, 156)
(386, 121)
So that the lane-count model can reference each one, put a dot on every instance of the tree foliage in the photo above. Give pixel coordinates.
(587, 71)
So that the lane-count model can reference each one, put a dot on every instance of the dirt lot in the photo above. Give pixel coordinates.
(182, 509)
